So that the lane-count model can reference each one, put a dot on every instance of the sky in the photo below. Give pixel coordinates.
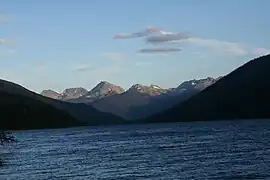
(62, 44)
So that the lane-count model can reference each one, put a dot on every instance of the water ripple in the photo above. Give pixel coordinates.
(205, 150)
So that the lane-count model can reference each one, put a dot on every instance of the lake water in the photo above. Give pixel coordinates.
(203, 150)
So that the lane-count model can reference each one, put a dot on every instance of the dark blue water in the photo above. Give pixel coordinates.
(205, 150)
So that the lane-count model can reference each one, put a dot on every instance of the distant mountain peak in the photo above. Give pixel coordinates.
(50, 93)
(73, 90)
(155, 86)
(105, 85)
(101, 90)
(198, 84)
(151, 90)
(48, 90)
(72, 93)
(102, 84)
(137, 86)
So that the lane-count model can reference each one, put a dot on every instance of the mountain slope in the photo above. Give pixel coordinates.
(72, 93)
(101, 90)
(82, 112)
(120, 104)
(20, 112)
(152, 90)
(67, 94)
(50, 93)
(244, 93)
(197, 85)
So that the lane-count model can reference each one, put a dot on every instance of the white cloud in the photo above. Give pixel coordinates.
(5, 41)
(236, 49)
(223, 46)
(232, 48)
(141, 33)
(261, 51)
(159, 50)
(170, 41)
(166, 37)
(156, 36)
(123, 36)
(81, 67)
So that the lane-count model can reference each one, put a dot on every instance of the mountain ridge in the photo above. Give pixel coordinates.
(150, 89)
(21, 112)
(242, 94)
(101, 90)
(17, 103)
(139, 100)
(83, 113)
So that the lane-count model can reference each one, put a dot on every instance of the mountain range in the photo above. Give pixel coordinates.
(139, 101)
(67, 94)
(242, 94)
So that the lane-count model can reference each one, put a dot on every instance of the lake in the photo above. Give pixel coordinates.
(201, 150)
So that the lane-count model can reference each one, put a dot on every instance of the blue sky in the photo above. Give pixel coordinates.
(60, 44)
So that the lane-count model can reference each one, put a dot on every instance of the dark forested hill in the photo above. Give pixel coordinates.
(244, 93)
(15, 99)
(20, 112)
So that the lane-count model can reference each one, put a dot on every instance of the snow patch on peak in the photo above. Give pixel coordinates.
(155, 86)
(137, 86)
